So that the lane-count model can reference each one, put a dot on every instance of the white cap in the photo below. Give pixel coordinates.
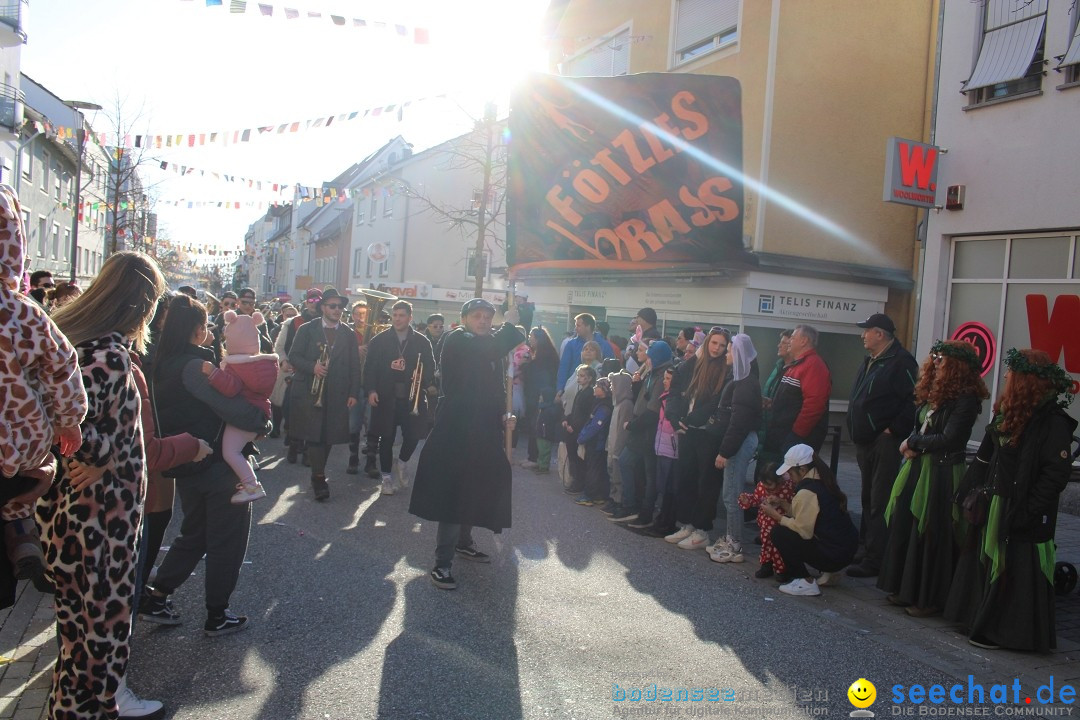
(796, 456)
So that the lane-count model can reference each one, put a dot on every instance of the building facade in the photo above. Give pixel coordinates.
(823, 85)
(1002, 259)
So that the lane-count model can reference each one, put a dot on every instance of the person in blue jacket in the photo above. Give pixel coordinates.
(593, 437)
(585, 330)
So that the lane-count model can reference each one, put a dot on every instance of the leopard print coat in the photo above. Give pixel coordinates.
(90, 538)
(38, 368)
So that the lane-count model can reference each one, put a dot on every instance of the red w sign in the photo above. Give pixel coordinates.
(911, 173)
(1058, 330)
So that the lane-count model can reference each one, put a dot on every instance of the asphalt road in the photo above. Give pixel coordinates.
(344, 622)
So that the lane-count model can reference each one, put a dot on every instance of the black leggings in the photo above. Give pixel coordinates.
(698, 482)
(798, 553)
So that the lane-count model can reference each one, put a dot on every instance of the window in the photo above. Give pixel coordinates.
(43, 236)
(374, 205)
(85, 264)
(1010, 59)
(26, 226)
(56, 187)
(27, 163)
(470, 265)
(608, 58)
(67, 245)
(702, 26)
(1070, 61)
(359, 214)
(358, 260)
(388, 207)
(45, 162)
(55, 242)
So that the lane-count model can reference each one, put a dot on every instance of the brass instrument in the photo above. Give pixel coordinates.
(376, 300)
(213, 305)
(318, 384)
(415, 390)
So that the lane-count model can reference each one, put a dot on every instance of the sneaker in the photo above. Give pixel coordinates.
(730, 554)
(158, 610)
(718, 546)
(981, 642)
(584, 501)
(624, 514)
(442, 579)
(248, 493)
(800, 587)
(765, 571)
(694, 540)
(572, 490)
(471, 553)
(387, 484)
(609, 507)
(129, 705)
(401, 479)
(529, 465)
(680, 534)
(224, 624)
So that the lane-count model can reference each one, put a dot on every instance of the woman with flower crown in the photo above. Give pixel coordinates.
(1003, 592)
(921, 552)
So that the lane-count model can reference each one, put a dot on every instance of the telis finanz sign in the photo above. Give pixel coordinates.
(911, 172)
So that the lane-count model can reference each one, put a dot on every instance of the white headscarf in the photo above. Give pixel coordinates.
(743, 353)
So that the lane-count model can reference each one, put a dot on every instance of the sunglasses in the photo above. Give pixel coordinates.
(332, 306)
(245, 301)
(47, 285)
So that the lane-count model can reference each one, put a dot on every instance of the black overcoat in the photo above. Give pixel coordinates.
(380, 377)
(463, 475)
(306, 422)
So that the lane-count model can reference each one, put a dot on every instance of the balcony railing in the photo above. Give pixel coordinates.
(11, 108)
(13, 22)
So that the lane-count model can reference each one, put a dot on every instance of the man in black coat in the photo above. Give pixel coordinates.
(392, 358)
(880, 416)
(322, 419)
(463, 477)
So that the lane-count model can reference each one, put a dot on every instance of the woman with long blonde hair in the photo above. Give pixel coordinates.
(91, 526)
(1003, 589)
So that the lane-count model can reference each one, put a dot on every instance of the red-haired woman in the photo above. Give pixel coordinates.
(921, 552)
(1003, 592)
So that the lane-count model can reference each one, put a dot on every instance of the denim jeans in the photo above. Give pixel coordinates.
(735, 482)
(449, 537)
(358, 415)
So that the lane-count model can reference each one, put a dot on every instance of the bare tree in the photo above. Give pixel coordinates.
(129, 198)
(482, 153)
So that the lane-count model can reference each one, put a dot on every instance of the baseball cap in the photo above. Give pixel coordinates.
(313, 294)
(796, 456)
(880, 321)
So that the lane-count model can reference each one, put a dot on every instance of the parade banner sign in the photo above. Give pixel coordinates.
(631, 172)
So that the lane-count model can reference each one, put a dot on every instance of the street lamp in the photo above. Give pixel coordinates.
(75, 106)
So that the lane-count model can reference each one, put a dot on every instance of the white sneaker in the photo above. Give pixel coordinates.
(680, 534)
(720, 545)
(401, 474)
(387, 484)
(694, 540)
(130, 706)
(731, 553)
(529, 464)
(247, 493)
(801, 587)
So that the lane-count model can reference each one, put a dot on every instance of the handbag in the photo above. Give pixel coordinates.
(976, 505)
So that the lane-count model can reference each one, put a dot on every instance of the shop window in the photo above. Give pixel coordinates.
(979, 260)
(702, 26)
(1039, 258)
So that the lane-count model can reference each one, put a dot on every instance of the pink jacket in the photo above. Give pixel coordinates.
(252, 376)
(667, 442)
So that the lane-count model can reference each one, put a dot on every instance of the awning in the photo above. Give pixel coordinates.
(1072, 57)
(1006, 53)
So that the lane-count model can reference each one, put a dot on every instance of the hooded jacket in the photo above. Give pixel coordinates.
(40, 370)
(647, 405)
(621, 392)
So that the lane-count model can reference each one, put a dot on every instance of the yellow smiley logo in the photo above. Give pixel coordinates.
(862, 693)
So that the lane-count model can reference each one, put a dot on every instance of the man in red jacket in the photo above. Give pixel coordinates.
(800, 408)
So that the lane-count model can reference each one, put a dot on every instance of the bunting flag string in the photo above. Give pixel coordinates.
(225, 138)
(192, 172)
(418, 35)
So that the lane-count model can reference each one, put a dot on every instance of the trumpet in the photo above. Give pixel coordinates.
(318, 384)
(415, 390)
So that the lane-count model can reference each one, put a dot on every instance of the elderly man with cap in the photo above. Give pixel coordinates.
(463, 477)
(881, 414)
(324, 349)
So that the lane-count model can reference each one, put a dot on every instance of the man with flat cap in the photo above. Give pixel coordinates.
(881, 414)
(463, 477)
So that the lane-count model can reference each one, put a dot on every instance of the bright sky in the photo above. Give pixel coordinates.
(177, 66)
